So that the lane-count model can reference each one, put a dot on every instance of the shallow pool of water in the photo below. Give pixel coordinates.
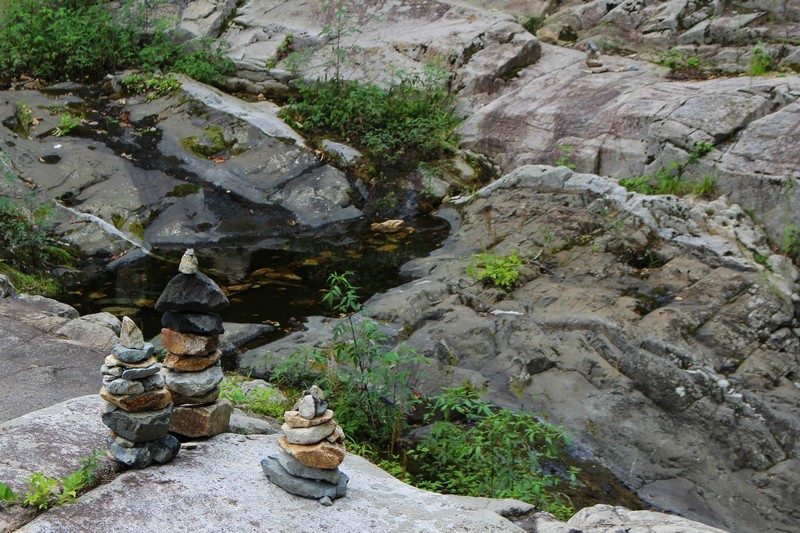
(281, 284)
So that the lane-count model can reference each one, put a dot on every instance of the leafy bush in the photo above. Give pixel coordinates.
(760, 61)
(368, 383)
(493, 453)
(43, 491)
(66, 123)
(58, 40)
(154, 86)
(28, 247)
(259, 400)
(502, 271)
(412, 118)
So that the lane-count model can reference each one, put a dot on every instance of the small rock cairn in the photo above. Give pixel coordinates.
(312, 448)
(138, 408)
(191, 335)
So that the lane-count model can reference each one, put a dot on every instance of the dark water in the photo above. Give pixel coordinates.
(281, 284)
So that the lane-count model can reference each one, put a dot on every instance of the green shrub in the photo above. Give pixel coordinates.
(57, 40)
(259, 400)
(44, 491)
(413, 118)
(28, 247)
(367, 382)
(502, 271)
(760, 61)
(6, 494)
(66, 123)
(492, 453)
(706, 188)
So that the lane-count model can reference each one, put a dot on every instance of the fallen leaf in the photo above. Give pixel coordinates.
(218, 159)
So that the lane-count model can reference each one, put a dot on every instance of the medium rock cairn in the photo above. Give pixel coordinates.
(312, 448)
(138, 408)
(191, 335)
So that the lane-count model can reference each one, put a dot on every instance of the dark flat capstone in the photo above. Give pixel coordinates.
(200, 323)
(192, 293)
(299, 486)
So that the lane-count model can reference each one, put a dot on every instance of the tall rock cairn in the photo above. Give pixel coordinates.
(191, 335)
(312, 448)
(138, 408)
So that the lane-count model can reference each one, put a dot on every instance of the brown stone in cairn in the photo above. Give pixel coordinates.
(320, 455)
(191, 363)
(147, 401)
(294, 419)
(111, 361)
(205, 399)
(188, 343)
(203, 421)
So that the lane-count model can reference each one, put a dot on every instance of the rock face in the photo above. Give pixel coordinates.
(645, 324)
(482, 47)
(627, 123)
(49, 353)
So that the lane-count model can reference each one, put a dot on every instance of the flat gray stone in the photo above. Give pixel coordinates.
(309, 435)
(132, 355)
(123, 386)
(144, 454)
(139, 427)
(190, 384)
(139, 373)
(298, 469)
(308, 488)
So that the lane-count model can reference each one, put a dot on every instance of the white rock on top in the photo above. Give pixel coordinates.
(306, 407)
(130, 335)
(188, 262)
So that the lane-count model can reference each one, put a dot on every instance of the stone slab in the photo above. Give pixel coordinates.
(203, 421)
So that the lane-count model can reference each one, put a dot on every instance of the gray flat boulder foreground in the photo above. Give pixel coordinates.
(48, 354)
(216, 486)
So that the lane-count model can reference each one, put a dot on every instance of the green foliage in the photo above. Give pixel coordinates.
(706, 188)
(760, 61)
(564, 160)
(367, 383)
(28, 246)
(533, 24)
(24, 118)
(342, 23)
(66, 123)
(57, 40)
(676, 60)
(494, 453)
(6, 494)
(154, 86)
(259, 400)
(667, 180)
(43, 491)
(413, 118)
(790, 241)
(502, 271)
(282, 52)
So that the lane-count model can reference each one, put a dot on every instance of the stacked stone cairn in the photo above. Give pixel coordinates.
(312, 448)
(138, 408)
(192, 368)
